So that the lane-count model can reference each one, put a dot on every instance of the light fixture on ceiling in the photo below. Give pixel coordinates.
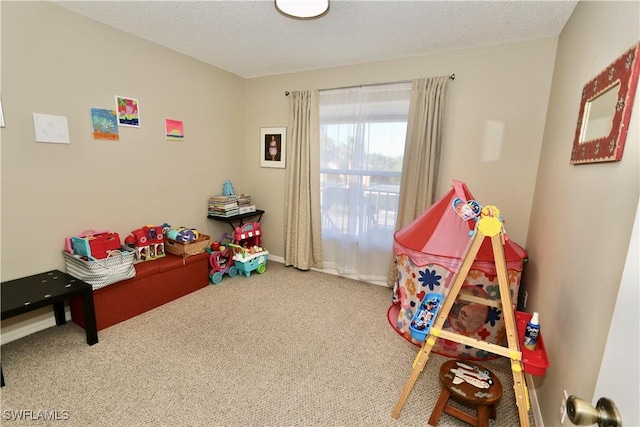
(302, 9)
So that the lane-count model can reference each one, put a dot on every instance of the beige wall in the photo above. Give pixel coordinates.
(57, 62)
(582, 215)
(494, 125)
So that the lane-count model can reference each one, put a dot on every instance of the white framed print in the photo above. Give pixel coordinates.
(128, 111)
(273, 147)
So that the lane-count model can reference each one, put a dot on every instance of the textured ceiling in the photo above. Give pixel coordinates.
(251, 39)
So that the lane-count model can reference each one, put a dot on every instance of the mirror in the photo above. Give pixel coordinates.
(598, 115)
(605, 110)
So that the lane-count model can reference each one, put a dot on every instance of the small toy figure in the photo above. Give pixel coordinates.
(227, 189)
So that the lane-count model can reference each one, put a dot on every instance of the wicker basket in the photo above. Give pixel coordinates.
(186, 249)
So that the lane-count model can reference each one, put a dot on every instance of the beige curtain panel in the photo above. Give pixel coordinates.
(302, 228)
(423, 146)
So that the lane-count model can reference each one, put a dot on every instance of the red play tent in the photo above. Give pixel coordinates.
(440, 236)
(429, 252)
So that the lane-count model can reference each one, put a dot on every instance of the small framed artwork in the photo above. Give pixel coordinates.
(173, 130)
(52, 129)
(128, 110)
(273, 147)
(1, 116)
(104, 124)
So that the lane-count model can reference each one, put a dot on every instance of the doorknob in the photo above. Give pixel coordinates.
(581, 413)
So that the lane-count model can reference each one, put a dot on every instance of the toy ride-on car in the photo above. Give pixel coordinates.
(220, 262)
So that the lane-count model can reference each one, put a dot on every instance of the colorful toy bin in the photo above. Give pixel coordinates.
(428, 253)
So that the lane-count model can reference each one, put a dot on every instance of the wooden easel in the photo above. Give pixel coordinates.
(489, 225)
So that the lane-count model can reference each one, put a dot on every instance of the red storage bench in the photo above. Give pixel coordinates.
(157, 282)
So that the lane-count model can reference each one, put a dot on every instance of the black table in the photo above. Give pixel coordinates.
(51, 288)
(238, 218)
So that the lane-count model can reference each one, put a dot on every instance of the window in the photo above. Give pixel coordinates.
(362, 137)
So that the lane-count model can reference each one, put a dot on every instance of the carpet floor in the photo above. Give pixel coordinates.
(283, 348)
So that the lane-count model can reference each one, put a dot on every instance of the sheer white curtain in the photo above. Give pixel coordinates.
(362, 137)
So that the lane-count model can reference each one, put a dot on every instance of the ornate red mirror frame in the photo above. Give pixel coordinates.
(623, 73)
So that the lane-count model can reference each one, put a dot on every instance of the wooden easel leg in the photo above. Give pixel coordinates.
(519, 384)
(522, 396)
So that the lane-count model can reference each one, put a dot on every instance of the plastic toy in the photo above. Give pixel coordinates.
(248, 235)
(221, 261)
(248, 260)
(466, 210)
(227, 189)
(180, 234)
(186, 235)
(94, 245)
(148, 242)
(425, 316)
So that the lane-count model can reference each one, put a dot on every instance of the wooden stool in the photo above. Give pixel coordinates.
(483, 399)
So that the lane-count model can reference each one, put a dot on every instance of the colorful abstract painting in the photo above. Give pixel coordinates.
(104, 124)
(174, 129)
(128, 111)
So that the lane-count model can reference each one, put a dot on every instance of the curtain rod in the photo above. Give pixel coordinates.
(451, 77)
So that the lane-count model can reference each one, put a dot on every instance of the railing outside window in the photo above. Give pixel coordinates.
(377, 202)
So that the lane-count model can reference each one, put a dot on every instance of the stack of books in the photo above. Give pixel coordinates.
(244, 204)
(223, 206)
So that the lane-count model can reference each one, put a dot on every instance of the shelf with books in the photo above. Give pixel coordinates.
(238, 219)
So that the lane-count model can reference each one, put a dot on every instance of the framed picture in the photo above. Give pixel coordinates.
(128, 110)
(104, 124)
(1, 116)
(273, 147)
(173, 130)
(605, 111)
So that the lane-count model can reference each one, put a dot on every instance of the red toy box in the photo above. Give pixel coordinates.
(95, 245)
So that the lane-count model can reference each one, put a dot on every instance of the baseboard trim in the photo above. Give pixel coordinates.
(21, 330)
(533, 399)
(276, 258)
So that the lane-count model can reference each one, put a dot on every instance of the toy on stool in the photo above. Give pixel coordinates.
(248, 260)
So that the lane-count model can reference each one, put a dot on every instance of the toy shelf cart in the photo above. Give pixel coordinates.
(246, 263)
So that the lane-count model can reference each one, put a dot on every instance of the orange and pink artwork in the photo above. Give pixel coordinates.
(174, 129)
